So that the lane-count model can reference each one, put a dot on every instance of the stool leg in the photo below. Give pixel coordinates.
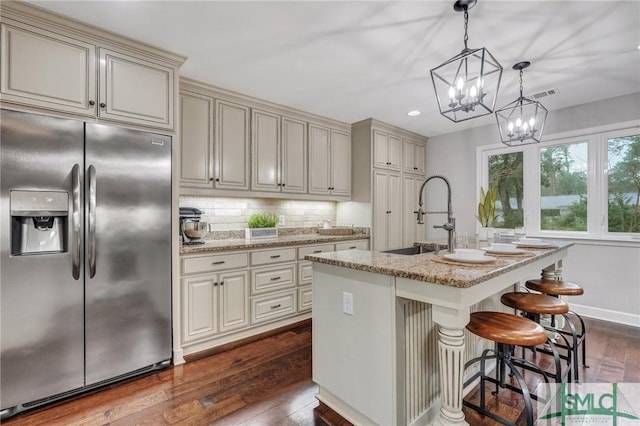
(525, 391)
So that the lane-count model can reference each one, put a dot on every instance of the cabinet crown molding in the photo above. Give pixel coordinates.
(389, 128)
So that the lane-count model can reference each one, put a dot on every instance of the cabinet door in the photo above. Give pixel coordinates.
(231, 146)
(199, 297)
(196, 141)
(421, 158)
(293, 167)
(380, 150)
(340, 163)
(234, 300)
(411, 230)
(395, 153)
(319, 160)
(380, 210)
(135, 91)
(47, 70)
(265, 144)
(394, 218)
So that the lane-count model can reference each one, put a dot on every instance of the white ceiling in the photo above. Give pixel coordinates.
(359, 59)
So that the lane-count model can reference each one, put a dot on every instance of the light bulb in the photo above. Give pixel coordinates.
(518, 122)
(532, 121)
(510, 126)
(525, 126)
(473, 92)
(452, 92)
(460, 83)
(480, 83)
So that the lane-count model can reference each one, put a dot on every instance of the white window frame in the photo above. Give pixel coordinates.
(597, 185)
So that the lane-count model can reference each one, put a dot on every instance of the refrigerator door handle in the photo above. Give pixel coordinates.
(75, 221)
(92, 221)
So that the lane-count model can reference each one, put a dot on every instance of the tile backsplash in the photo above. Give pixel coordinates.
(232, 213)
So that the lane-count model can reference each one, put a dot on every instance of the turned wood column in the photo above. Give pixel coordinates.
(451, 346)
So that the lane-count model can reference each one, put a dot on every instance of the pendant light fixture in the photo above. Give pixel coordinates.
(522, 121)
(467, 84)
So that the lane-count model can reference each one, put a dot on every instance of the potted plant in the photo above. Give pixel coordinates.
(261, 225)
(486, 211)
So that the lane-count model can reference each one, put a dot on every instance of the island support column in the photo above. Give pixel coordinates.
(451, 324)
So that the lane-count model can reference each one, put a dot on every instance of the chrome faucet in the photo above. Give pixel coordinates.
(450, 226)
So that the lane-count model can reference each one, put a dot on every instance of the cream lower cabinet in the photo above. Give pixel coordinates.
(387, 210)
(215, 303)
(58, 71)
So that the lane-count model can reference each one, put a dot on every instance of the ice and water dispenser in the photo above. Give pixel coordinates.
(39, 222)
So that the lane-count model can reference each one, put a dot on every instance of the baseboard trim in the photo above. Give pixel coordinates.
(607, 315)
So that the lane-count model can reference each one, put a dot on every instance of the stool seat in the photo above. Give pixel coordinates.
(506, 328)
(555, 287)
(535, 303)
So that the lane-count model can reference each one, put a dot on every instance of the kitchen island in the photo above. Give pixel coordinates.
(389, 339)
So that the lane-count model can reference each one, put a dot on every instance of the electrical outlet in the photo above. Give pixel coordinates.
(347, 303)
(281, 220)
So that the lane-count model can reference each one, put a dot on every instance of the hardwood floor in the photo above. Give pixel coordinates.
(268, 382)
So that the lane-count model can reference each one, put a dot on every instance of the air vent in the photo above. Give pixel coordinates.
(545, 93)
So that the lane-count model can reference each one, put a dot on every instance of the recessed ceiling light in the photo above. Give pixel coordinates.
(413, 113)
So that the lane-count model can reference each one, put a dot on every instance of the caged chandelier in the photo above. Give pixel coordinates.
(522, 121)
(467, 85)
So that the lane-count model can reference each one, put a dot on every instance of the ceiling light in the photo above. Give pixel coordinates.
(413, 113)
(522, 121)
(467, 85)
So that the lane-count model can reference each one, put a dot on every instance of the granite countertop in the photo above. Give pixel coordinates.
(280, 241)
(422, 267)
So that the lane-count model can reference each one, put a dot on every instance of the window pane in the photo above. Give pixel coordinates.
(624, 184)
(563, 187)
(505, 173)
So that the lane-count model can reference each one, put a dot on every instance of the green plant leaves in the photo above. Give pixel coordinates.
(262, 220)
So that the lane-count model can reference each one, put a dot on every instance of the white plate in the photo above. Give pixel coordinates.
(514, 251)
(531, 243)
(455, 257)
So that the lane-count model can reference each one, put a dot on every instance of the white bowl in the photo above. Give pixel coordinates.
(525, 240)
(503, 247)
(469, 253)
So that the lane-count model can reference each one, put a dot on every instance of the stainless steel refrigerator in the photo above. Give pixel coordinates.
(85, 256)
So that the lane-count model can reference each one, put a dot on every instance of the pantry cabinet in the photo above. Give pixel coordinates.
(62, 66)
(387, 210)
(412, 232)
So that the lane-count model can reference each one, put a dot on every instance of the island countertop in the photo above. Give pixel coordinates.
(423, 267)
(280, 241)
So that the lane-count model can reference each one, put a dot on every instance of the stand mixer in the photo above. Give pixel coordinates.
(191, 229)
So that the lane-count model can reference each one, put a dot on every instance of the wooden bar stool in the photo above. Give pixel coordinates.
(532, 306)
(507, 331)
(559, 288)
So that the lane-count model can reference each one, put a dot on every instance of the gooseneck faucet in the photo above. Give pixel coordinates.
(450, 226)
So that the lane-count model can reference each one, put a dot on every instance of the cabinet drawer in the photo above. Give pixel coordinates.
(213, 262)
(273, 306)
(353, 245)
(323, 248)
(305, 300)
(273, 256)
(274, 278)
(305, 273)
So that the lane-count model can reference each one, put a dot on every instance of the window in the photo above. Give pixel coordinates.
(505, 174)
(563, 187)
(581, 184)
(623, 184)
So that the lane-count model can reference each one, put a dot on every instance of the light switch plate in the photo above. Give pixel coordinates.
(347, 303)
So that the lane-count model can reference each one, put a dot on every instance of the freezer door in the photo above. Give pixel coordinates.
(128, 251)
(41, 294)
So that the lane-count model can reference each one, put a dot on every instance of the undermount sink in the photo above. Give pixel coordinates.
(409, 251)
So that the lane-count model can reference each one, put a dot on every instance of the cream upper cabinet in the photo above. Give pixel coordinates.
(232, 146)
(278, 146)
(415, 157)
(135, 91)
(329, 161)
(47, 70)
(196, 136)
(387, 215)
(60, 65)
(387, 151)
